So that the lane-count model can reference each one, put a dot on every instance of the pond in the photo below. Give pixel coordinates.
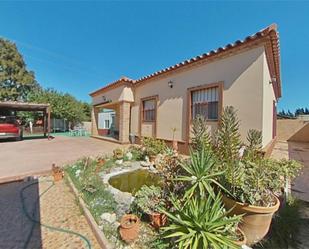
(132, 181)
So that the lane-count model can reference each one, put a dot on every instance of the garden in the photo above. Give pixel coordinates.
(225, 194)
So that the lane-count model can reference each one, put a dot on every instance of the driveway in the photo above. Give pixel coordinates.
(35, 156)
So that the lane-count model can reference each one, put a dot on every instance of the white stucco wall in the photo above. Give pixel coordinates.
(243, 78)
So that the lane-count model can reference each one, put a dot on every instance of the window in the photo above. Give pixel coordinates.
(205, 102)
(149, 110)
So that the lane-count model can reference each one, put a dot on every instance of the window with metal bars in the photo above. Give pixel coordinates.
(204, 102)
(149, 110)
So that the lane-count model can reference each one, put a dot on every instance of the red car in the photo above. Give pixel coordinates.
(10, 128)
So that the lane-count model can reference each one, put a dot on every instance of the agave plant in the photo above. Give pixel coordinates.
(201, 224)
(201, 174)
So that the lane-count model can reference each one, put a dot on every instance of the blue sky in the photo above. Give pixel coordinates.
(77, 47)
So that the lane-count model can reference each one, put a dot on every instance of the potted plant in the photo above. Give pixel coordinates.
(148, 200)
(57, 173)
(153, 147)
(249, 181)
(118, 153)
(100, 163)
(129, 227)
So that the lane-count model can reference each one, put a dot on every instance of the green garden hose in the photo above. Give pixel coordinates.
(32, 219)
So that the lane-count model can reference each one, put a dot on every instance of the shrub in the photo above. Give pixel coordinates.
(118, 153)
(201, 223)
(169, 169)
(153, 146)
(251, 179)
(147, 200)
(137, 153)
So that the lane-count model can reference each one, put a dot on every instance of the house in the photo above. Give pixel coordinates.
(244, 74)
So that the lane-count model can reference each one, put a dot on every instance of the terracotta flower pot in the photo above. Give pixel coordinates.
(129, 227)
(242, 238)
(157, 220)
(100, 165)
(152, 158)
(57, 173)
(256, 220)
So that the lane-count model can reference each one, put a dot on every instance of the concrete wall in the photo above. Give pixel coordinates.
(286, 128)
(302, 135)
(243, 78)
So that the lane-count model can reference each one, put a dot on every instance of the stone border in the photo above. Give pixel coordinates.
(102, 240)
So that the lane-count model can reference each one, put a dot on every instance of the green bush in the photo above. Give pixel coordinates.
(153, 146)
(201, 223)
(137, 153)
(147, 200)
(250, 178)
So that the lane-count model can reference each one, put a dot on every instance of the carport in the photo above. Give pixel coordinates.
(31, 107)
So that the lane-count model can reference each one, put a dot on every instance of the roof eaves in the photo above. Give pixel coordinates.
(122, 80)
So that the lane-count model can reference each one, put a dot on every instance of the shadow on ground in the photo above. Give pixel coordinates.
(16, 230)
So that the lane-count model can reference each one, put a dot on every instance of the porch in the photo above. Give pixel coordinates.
(111, 122)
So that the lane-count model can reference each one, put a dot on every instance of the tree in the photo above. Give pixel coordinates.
(87, 110)
(63, 105)
(15, 80)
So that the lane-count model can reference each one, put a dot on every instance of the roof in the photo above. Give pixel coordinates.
(23, 106)
(268, 36)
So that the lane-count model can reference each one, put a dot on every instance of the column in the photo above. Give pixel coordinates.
(124, 122)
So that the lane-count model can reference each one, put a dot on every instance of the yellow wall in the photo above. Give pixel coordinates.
(121, 93)
(246, 87)
(242, 75)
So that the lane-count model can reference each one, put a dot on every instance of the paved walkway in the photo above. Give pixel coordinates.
(37, 155)
(57, 208)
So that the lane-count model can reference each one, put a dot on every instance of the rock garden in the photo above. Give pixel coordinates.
(225, 194)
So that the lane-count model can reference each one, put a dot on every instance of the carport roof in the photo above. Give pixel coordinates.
(23, 106)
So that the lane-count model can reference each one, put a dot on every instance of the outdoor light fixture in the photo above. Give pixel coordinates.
(273, 80)
(170, 84)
